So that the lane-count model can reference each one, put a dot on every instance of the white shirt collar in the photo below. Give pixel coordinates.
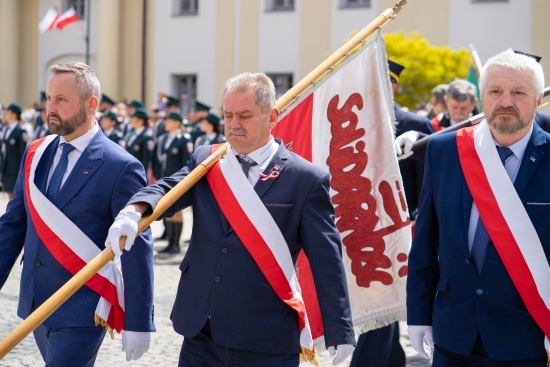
(139, 131)
(82, 142)
(262, 153)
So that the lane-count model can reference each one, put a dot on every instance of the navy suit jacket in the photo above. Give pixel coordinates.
(443, 287)
(220, 279)
(101, 182)
(543, 120)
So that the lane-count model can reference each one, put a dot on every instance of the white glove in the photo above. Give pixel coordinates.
(404, 143)
(135, 343)
(341, 352)
(422, 340)
(125, 224)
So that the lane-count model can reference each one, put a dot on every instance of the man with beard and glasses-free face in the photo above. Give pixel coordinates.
(226, 308)
(478, 268)
(70, 188)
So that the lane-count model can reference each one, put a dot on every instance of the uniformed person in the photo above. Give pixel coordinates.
(132, 106)
(210, 126)
(139, 141)
(14, 142)
(194, 117)
(109, 126)
(106, 103)
(172, 104)
(41, 105)
(176, 148)
(42, 130)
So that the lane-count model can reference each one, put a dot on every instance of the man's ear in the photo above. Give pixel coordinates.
(273, 117)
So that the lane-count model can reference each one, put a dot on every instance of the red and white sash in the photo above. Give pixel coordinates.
(262, 238)
(506, 221)
(70, 246)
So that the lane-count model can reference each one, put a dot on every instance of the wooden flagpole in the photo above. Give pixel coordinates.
(291, 96)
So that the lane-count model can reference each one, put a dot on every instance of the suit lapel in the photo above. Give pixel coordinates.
(44, 165)
(86, 166)
(467, 202)
(531, 159)
(279, 160)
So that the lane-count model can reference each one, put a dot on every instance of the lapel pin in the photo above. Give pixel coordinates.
(85, 172)
(533, 158)
(272, 175)
(276, 167)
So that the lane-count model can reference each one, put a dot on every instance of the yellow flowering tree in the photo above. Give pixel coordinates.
(426, 66)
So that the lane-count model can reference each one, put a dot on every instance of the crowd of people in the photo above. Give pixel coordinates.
(475, 216)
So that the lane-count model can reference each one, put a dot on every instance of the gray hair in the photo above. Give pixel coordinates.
(510, 60)
(86, 82)
(260, 83)
(461, 90)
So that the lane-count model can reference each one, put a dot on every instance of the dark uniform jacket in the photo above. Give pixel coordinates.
(140, 146)
(41, 131)
(203, 140)
(177, 154)
(115, 136)
(412, 171)
(13, 148)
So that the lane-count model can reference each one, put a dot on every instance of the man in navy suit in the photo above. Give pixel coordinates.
(226, 309)
(84, 185)
(462, 291)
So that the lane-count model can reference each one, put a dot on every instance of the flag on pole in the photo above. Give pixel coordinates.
(52, 20)
(66, 18)
(48, 22)
(345, 125)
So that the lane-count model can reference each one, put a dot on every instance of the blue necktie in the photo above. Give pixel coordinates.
(481, 237)
(59, 171)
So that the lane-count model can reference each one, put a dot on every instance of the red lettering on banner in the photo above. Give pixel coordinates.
(355, 204)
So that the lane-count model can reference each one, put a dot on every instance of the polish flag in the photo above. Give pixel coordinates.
(48, 23)
(66, 18)
(345, 125)
(53, 20)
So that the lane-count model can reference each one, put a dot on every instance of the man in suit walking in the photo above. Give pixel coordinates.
(69, 189)
(230, 306)
(478, 266)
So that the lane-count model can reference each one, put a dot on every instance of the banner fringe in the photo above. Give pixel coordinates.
(98, 320)
(307, 355)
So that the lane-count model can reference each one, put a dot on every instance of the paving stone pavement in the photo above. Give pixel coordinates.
(165, 344)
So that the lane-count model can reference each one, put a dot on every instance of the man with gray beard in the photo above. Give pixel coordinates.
(479, 276)
(69, 189)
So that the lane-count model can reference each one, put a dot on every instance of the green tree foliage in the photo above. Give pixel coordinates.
(426, 66)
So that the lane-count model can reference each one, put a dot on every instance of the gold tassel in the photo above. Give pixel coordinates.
(99, 321)
(307, 355)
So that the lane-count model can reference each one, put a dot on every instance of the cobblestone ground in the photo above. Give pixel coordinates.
(165, 342)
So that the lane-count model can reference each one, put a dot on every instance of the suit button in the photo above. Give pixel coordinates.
(217, 279)
(224, 250)
(38, 263)
(467, 261)
(479, 291)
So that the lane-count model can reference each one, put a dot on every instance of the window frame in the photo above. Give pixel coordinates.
(345, 4)
(187, 97)
(179, 11)
(271, 6)
(78, 5)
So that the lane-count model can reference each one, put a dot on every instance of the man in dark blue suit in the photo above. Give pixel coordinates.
(226, 309)
(82, 179)
(460, 288)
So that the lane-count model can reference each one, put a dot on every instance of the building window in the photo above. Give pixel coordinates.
(283, 82)
(279, 5)
(185, 87)
(79, 6)
(186, 7)
(490, 1)
(354, 3)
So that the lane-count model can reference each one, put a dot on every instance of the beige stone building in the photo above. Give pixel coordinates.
(188, 48)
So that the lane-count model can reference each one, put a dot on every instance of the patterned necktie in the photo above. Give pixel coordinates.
(245, 165)
(59, 171)
(481, 237)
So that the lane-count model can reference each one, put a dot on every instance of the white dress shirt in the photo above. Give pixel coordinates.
(79, 144)
(262, 156)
